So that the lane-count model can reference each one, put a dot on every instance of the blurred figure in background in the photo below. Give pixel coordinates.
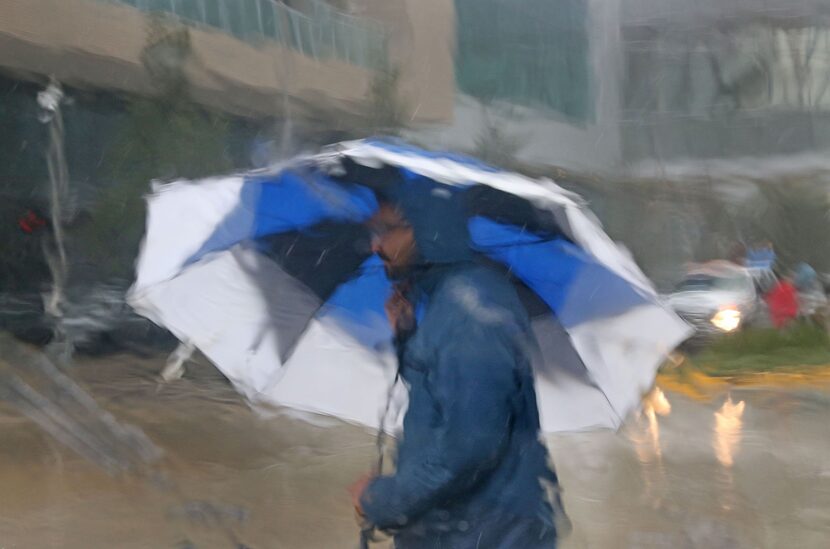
(782, 301)
(761, 256)
(811, 297)
(760, 260)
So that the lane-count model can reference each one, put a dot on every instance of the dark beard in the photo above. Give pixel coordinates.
(397, 274)
(403, 272)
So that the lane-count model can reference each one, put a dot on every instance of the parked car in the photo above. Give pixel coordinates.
(716, 298)
(96, 319)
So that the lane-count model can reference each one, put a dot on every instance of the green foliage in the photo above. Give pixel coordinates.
(762, 350)
(794, 215)
(667, 224)
(382, 112)
(387, 112)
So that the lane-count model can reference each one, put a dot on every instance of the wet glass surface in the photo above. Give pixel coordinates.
(696, 132)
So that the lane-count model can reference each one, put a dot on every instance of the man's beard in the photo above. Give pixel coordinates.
(397, 273)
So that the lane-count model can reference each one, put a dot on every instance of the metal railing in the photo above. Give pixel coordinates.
(324, 34)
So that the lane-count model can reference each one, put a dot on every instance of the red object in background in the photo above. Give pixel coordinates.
(31, 222)
(782, 301)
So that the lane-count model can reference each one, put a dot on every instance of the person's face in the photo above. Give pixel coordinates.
(393, 240)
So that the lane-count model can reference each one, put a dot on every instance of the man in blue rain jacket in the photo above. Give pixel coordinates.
(471, 470)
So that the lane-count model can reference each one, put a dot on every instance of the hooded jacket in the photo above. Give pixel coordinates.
(471, 470)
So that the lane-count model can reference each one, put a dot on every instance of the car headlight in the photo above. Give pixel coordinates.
(727, 320)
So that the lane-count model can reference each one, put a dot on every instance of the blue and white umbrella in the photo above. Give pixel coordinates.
(270, 275)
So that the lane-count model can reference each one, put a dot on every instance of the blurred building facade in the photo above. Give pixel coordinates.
(695, 116)
(249, 55)
(187, 88)
(581, 84)
(608, 85)
(587, 85)
(625, 89)
(724, 80)
(538, 83)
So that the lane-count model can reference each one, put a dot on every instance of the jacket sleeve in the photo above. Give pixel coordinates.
(471, 383)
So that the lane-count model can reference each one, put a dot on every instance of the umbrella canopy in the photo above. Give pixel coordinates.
(270, 275)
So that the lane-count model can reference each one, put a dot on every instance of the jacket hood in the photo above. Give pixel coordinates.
(438, 217)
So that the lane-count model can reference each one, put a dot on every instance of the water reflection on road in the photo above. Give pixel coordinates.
(747, 470)
(727, 435)
(644, 433)
(726, 443)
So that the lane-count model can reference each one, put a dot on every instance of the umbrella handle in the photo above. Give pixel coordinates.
(380, 443)
(364, 539)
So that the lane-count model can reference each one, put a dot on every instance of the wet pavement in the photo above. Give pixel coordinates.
(746, 469)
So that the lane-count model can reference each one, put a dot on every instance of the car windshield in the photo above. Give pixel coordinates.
(708, 283)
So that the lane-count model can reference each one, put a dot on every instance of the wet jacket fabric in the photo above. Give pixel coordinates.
(471, 471)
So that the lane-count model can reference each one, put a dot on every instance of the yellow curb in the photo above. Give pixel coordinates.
(698, 385)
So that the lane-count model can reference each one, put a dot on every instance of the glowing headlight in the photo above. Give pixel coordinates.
(727, 320)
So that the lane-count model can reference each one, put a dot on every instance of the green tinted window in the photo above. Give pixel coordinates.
(158, 5)
(270, 20)
(190, 10)
(213, 13)
(532, 53)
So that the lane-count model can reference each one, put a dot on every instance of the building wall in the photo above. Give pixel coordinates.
(718, 11)
(724, 80)
(544, 137)
(420, 45)
(98, 45)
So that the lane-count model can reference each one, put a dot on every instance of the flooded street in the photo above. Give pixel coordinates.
(750, 469)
